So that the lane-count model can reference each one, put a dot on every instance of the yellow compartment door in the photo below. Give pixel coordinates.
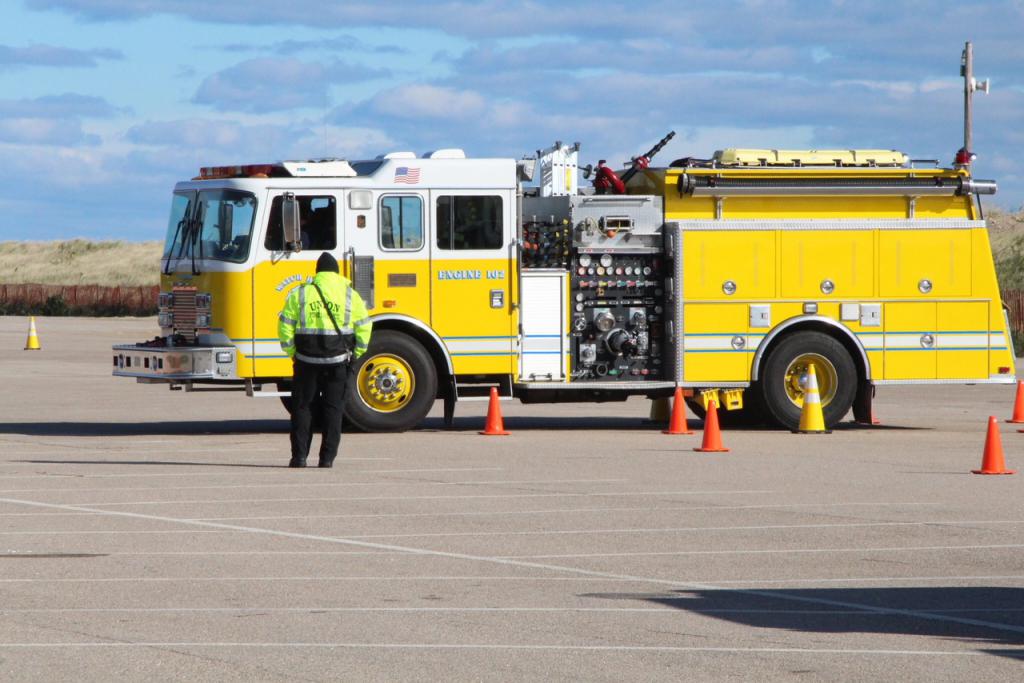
(910, 340)
(963, 340)
(844, 258)
(472, 278)
(717, 347)
(933, 263)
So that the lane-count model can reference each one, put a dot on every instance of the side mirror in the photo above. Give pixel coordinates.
(225, 220)
(290, 223)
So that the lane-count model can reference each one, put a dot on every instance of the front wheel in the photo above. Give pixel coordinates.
(785, 375)
(393, 386)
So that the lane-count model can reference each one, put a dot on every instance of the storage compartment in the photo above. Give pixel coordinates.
(838, 264)
(542, 356)
(924, 263)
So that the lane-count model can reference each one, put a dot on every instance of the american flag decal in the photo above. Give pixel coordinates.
(409, 176)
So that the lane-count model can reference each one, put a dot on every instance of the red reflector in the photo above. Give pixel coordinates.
(1003, 370)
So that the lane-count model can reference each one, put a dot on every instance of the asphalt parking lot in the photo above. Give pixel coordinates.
(156, 535)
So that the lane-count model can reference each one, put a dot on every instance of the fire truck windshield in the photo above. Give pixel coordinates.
(212, 224)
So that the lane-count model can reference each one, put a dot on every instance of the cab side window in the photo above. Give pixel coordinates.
(318, 218)
(401, 222)
(465, 222)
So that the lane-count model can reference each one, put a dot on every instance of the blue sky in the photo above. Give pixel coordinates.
(106, 103)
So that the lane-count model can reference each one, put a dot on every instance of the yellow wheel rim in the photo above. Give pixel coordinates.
(797, 373)
(386, 383)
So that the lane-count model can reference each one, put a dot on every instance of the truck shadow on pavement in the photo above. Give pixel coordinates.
(612, 423)
(119, 463)
(180, 428)
(979, 615)
(430, 424)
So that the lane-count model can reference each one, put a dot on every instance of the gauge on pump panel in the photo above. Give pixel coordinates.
(585, 260)
(629, 270)
(647, 270)
(606, 260)
(600, 270)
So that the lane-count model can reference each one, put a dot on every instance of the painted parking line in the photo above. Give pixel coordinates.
(779, 551)
(684, 529)
(232, 469)
(316, 609)
(500, 513)
(577, 572)
(320, 579)
(99, 505)
(314, 484)
(501, 646)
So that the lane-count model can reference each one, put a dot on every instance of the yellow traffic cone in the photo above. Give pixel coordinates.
(812, 421)
(661, 408)
(33, 339)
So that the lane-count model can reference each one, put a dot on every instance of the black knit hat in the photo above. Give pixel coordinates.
(326, 263)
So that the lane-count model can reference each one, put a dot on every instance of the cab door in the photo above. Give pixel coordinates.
(277, 271)
(472, 276)
(386, 254)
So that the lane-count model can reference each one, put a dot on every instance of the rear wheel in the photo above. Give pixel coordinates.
(785, 375)
(393, 385)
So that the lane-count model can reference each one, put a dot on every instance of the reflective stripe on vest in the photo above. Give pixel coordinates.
(333, 360)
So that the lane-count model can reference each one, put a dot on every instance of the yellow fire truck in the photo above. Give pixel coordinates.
(727, 276)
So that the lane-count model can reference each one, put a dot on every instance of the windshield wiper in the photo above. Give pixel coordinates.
(174, 240)
(197, 228)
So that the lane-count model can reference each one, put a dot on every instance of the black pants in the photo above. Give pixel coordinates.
(328, 382)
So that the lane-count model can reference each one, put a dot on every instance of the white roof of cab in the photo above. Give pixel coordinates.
(324, 168)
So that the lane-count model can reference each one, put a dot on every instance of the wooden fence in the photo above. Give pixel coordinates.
(84, 299)
(1014, 300)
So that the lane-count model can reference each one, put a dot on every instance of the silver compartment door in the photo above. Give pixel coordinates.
(542, 318)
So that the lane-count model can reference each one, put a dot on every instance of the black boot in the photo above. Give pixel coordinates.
(296, 462)
(326, 463)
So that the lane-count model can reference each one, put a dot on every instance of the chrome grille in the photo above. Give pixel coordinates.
(185, 313)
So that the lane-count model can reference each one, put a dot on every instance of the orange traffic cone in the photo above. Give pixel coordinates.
(1018, 405)
(992, 461)
(677, 422)
(495, 425)
(32, 344)
(712, 435)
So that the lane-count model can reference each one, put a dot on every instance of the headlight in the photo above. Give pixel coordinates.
(202, 320)
(203, 300)
(165, 300)
(165, 319)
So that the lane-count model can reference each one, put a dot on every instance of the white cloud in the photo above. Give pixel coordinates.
(429, 101)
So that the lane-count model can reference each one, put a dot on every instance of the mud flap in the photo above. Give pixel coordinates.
(862, 413)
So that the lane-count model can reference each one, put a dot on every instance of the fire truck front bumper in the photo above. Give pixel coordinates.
(175, 363)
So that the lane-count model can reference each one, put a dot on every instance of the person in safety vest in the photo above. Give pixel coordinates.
(324, 325)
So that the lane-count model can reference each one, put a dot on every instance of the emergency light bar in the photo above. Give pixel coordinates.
(319, 168)
(249, 171)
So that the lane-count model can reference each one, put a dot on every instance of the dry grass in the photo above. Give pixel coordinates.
(80, 262)
(83, 262)
(1004, 230)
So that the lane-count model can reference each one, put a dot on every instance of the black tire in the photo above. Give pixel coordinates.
(750, 415)
(835, 401)
(414, 407)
